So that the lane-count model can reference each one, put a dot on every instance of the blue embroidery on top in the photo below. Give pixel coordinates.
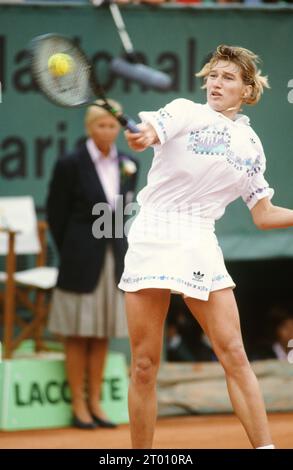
(160, 116)
(164, 114)
(212, 141)
(209, 141)
(255, 192)
(255, 167)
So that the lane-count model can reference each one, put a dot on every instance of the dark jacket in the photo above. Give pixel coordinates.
(74, 189)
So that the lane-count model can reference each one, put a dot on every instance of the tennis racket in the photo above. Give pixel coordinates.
(78, 86)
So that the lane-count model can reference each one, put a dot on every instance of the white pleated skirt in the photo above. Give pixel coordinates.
(100, 313)
(176, 251)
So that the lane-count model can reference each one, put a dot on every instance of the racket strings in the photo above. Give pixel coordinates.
(70, 89)
(76, 86)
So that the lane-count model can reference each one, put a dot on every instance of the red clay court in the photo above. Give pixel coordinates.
(188, 432)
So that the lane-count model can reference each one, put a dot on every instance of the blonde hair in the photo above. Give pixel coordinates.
(247, 61)
(96, 112)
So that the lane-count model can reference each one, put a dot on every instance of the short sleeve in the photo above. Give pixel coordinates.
(170, 120)
(257, 187)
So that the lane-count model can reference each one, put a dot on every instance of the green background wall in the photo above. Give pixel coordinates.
(33, 132)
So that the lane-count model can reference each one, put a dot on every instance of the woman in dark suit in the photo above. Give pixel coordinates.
(87, 307)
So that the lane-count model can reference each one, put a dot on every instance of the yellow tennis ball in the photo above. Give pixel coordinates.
(60, 64)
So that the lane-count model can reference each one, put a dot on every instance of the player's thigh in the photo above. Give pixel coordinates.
(146, 313)
(219, 317)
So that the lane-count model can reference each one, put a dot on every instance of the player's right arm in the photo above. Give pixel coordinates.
(160, 126)
(143, 139)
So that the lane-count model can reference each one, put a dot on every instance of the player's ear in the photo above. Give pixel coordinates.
(247, 92)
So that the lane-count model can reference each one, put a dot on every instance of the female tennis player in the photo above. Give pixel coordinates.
(205, 157)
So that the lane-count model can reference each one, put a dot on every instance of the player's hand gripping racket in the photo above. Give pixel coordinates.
(65, 76)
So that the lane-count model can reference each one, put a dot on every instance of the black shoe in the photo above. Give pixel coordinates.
(102, 423)
(77, 423)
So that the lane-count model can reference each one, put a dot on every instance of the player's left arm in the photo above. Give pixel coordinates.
(267, 216)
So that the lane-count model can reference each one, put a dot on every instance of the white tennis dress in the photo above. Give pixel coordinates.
(204, 162)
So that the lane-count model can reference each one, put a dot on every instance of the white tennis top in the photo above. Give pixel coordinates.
(203, 158)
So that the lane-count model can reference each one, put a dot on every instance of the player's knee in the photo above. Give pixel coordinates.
(144, 371)
(233, 357)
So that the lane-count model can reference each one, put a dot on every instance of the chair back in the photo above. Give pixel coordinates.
(18, 214)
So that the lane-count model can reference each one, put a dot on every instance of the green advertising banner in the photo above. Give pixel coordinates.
(34, 392)
(34, 132)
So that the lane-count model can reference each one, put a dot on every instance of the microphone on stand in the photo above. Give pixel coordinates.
(141, 73)
(130, 68)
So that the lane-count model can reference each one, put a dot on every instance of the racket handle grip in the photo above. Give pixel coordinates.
(127, 122)
(131, 126)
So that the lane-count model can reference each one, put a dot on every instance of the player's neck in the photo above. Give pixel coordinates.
(231, 112)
